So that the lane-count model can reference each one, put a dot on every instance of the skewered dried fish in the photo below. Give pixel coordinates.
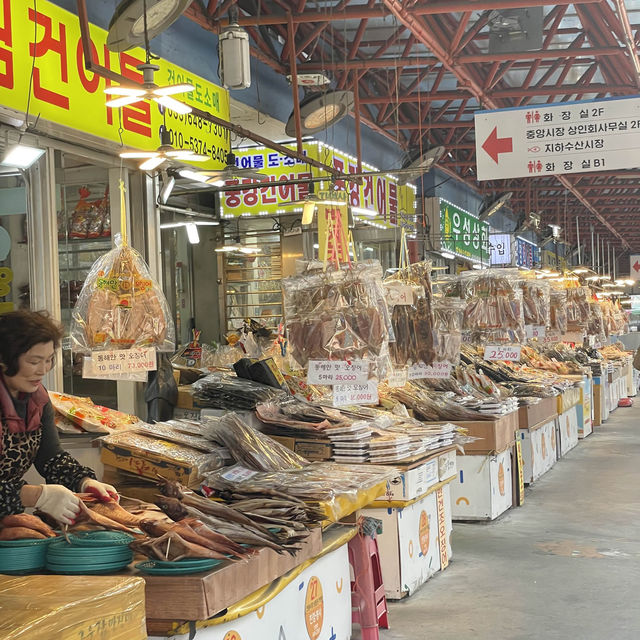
(28, 521)
(172, 546)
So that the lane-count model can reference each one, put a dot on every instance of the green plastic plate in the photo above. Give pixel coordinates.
(208, 563)
(152, 569)
(27, 542)
(100, 538)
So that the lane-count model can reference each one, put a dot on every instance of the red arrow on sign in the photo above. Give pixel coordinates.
(494, 146)
(636, 266)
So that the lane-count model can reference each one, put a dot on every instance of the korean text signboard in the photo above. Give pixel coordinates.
(527, 253)
(550, 139)
(392, 202)
(65, 93)
(460, 232)
(333, 227)
(500, 248)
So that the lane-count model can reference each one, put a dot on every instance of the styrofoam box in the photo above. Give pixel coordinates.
(585, 419)
(483, 486)
(409, 544)
(316, 604)
(409, 485)
(567, 430)
(539, 450)
(447, 465)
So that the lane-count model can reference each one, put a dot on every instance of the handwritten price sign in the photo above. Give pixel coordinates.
(332, 372)
(511, 354)
(436, 370)
(533, 331)
(104, 364)
(397, 378)
(346, 394)
(399, 294)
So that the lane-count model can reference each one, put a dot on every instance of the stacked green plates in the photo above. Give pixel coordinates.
(90, 553)
(178, 567)
(23, 556)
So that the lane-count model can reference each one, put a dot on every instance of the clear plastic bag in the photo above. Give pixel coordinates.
(558, 310)
(121, 307)
(338, 314)
(536, 302)
(577, 308)
(448, 320)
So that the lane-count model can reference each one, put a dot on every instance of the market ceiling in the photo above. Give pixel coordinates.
(424, 67)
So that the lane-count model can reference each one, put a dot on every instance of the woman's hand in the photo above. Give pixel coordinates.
(60, 503)
(104, 492)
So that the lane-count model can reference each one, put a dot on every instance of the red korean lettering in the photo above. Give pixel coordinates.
(268, 194)
(250, 196)
(136, 118)
(90, 84)
(39, 49)
(286, 191)
(354, 188)
(381, 197)
(367, 192)
(393, 202)
(6, 56)
(232, 199)
(303, 188)
(339, 165)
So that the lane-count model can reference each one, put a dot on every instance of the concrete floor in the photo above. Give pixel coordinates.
(564, 565)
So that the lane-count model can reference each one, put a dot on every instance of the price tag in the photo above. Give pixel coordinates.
(104, 364)
(511, 354)
(346, 394)
(534, 331)
(238, 473)
(338, 372)
(576, 337)
(552, 336)
(397, 377)
(398, 294)
(436, 370)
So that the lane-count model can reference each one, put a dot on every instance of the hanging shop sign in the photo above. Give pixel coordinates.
(457, 231)
(500, 248)
(393, 203)
(63, 92)
(333, 228)
(552, 139)
(527, 253)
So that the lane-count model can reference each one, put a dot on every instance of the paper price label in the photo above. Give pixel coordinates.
(436, 370)
(346, 394)
(397, 378)
(238, 473)
(511, 354)
(104, 364)
(552, 336)
(533, 331)
(399, 295)
(338, 372)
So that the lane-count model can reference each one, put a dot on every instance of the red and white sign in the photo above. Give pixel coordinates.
(436, 370)
(553, 139)
(634, 267)
(511, 354)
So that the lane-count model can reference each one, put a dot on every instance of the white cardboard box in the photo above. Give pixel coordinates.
(585, 417)
(447, 465)
(482, 489)
(316, 604)
(539, 450)
(567, 430)
(415, 542)
(408, 485)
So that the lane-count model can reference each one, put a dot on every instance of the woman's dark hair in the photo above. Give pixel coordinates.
(21, 330)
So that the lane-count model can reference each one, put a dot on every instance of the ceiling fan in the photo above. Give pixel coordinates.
(422, 164)
(148, 90)
(164, 153)
(231, 171)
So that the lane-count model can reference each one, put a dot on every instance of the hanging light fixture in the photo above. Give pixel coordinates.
(319, 111)
(21, 156)
(492, 206)
(234, 67)
(421, 165)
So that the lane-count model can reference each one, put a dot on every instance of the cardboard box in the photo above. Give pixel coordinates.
(447, 466)
(585, 417)
(567, 430)
(201, 595)
(316, 604)
(411, 482)
(308, 448)
(534, 414)
(415, 542)
(495, 435)
(539, 449)
(148, 464)
(483, 486)
(597, 402)
(567, 399)
(72, 607)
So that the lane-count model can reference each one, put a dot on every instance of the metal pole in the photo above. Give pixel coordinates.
(614, 263)
(603, 265)
(593, 251)
(578, 239)
(598, 252)
(609, 259)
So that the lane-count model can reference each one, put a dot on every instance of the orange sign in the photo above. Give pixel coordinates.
(544, 446)
(442, 530)
(520, 471)
(423, 533)
(501, 479)
(314, 608)
(232, 635)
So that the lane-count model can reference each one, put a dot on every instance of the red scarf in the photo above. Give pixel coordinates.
(11, 420)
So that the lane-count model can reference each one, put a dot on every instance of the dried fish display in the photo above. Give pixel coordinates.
(120, 306)
(536, 302)
(577, 308)
(248, 446)
(338, 314)
(558, 310)
(448, 319)
(222, 391)
(596, 325)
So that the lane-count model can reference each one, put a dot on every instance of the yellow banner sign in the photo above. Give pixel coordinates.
(393, 203)
(65, 93)
(333, 228)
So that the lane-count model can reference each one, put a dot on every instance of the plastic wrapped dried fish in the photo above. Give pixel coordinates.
(222, 391)
(249, 447)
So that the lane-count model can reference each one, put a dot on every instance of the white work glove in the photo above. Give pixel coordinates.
(104, 492)
(60, 503)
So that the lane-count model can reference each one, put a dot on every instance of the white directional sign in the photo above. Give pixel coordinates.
(634, 267)
(552, 139)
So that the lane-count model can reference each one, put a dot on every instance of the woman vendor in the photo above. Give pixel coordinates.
(28, 341)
